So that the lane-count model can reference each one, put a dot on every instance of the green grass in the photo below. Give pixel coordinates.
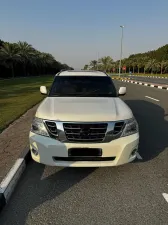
(19, 95)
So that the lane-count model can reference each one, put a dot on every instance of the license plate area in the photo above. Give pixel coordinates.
(85, 152)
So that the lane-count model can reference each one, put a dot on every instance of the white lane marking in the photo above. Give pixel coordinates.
(138, 155)
(152, 98)
(165, 196)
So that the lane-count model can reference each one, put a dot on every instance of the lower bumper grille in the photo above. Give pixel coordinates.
(86, 132)
(84, 159)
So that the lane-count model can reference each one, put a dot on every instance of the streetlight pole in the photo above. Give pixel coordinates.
(122, 28)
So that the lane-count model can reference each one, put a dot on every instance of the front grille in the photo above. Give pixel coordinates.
(52, 128)
(118, 128)
(92, 132)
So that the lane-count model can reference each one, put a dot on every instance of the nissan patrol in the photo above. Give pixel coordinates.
(83, 122)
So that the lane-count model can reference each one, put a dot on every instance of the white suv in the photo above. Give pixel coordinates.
(83, 123)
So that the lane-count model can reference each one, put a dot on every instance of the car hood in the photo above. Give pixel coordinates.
(83, 109)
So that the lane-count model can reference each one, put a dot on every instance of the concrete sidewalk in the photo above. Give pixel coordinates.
(13, 141)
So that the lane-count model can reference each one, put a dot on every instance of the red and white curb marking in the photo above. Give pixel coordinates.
(165, 196)
(144, 84)
(9, 183)
(149, 76)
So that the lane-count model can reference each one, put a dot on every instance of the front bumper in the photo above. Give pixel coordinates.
(49, 148)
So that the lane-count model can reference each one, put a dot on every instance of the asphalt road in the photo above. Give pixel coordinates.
(129, 194)
(150, 80)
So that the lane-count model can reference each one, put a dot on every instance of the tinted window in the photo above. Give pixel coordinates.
(81, 86)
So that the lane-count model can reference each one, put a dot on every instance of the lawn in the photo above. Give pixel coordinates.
(18, 95)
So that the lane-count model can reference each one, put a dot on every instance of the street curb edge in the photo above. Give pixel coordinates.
(9, 183)
(144, 84)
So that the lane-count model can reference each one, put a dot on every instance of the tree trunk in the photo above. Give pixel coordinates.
(44, 70)
(24, 68)
(129, 69)
(133, 69)
(12, 68)
(144, 70)
(138, 69)
(161, 69)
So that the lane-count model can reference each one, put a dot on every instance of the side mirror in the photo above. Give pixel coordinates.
(43, 90)
(122, 91)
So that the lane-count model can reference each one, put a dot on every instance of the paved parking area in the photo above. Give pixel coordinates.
(129, 194)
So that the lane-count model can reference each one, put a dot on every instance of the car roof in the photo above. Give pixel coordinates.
(81, 73)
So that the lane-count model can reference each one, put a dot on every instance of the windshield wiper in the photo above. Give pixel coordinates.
(90, 92)
(80, 94)
(55, 95)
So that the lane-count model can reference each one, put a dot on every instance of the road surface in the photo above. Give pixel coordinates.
(129, 194)
(150, 79)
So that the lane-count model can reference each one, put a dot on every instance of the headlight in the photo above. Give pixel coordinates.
(38, 127)
(131, 127)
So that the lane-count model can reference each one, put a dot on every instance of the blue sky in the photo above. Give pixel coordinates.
(75, 30)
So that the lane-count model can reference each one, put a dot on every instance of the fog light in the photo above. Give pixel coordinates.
(133, 152)
(35, 152)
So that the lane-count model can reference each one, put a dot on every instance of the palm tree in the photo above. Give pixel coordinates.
(9, 54)
(139, 63)
(1, 43)
(151, 65)
(162, 64)
(86, 67)
(110, 68)
(156, 67)
(123, 63)
(45, 60)
(106, 63)
(144, 63)
(93, 64)
(117, 66)
(133, 64)
(27, 53)
(166, 66)
(128, 64)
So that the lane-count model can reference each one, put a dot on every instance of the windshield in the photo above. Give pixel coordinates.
(81, 86)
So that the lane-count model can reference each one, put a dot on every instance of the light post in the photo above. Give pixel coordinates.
(122, 28)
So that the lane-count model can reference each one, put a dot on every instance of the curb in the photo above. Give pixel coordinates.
(9, 183)
(150, 76)
(120, 78)
(145, 84)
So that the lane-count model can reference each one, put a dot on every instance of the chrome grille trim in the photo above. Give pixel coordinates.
(51, 127)
(112, 131)
(118, 128)
(85, 132)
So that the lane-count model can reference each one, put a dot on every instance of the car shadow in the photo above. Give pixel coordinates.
(36, 188)
(152, 126)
